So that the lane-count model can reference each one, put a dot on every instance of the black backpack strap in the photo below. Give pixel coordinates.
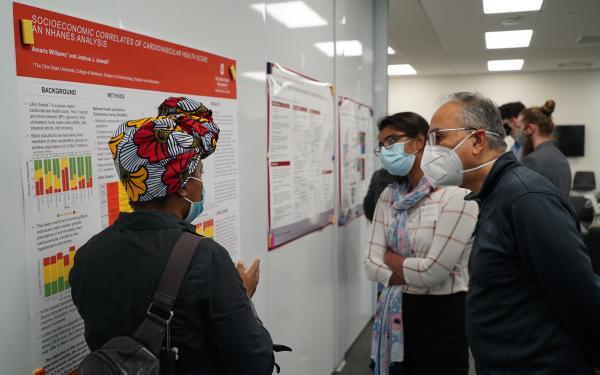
(152, 330)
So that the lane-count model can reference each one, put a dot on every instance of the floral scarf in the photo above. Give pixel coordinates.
(387, 344)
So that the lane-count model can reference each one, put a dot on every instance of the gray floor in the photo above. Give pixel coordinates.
(358, 356)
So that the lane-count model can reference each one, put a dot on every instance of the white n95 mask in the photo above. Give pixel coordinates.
(442, 166)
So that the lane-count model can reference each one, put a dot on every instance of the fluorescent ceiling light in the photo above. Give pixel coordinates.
(391, 51)
(342, 47)
(510, 6)
(401, 70)
(293, 14)
(508, 39)
(504, 65)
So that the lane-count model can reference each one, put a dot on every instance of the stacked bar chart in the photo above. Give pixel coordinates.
(62, 174)
(117, 200)
(73, 173)
(206, 228)
(56, 272)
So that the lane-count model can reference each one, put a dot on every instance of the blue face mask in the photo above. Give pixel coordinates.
(396, 161)
(196, 208)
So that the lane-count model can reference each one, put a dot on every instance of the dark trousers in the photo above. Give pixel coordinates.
(434, 336)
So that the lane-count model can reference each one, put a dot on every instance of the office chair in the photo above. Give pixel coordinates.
(585, 212)
(594, 248)
(584, 199)
(584, 181)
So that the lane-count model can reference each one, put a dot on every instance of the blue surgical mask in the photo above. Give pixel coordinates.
(395, 160)
(196, 208)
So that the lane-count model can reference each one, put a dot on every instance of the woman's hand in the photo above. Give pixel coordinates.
(389, 257)
(395, 262)
(249, 277)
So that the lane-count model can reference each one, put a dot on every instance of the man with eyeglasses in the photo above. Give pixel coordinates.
(533, 305)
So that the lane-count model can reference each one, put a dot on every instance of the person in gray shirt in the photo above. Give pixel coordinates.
(539, 151)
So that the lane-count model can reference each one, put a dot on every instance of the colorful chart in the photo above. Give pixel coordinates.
(206, 228)
(117, 200)
(56, 272)
(62, 174)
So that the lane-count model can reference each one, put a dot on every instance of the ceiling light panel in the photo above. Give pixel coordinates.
(505, 65)
(511, 6)
(508, 39)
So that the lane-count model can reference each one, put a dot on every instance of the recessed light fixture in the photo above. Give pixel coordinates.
(505, 65)
(391, 51)
(292, 14)
(342, 47)
(401, 70)
(508, 39)
(511, 21)
(511, 6)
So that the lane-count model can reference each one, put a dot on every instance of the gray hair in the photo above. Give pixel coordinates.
(480, 112)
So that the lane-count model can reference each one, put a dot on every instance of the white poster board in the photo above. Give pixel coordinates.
(355, 132)
(77, 81)
(300, 154)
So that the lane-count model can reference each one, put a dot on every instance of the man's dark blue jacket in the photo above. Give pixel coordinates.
(533, 306)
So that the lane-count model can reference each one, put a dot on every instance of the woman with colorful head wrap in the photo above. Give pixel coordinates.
(156, 157)
(158, 160)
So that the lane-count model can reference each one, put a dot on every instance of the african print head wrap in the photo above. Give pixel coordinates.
(156, 156)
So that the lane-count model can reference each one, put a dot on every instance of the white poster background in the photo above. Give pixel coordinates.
(55, 128)
(355, 131)
(65, 126)
(300, 155)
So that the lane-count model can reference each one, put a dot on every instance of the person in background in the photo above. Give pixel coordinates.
(418, 248)
(539, 151)
(117, 271)
(380, 180)
(533, 304)
(514, 137)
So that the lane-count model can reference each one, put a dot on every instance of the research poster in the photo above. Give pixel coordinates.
(355, 132)
(300, 154)
(77, 81)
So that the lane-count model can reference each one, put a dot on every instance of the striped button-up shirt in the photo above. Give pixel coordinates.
(440, 229)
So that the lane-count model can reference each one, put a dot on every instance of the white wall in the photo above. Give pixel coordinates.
(355, 79)
(14, 331)
(577, 96)
(313, 295)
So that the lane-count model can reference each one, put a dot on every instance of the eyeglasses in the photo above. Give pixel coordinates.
(435, 136)
(390, 142)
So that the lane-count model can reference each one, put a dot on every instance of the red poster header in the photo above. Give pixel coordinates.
(54, 46)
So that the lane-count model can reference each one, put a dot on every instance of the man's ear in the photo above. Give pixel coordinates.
(480, 140)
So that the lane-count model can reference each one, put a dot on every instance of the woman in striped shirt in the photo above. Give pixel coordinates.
(418, 248)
